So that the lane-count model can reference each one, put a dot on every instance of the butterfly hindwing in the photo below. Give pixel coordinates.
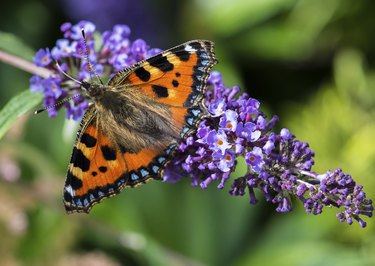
(147, 163)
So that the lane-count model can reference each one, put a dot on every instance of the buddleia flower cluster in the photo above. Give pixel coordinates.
(278, 165)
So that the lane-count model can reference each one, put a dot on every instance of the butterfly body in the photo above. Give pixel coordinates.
(128, 134)
(130, 118)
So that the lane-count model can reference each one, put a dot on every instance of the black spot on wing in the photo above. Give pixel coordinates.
(142, 74)
(108, 153)
(178, 74)
(103, 169)
(88, 140)
(94, 173)
(161, 62)
(195, 45)
(160, 91)
(67, 196)
(79, 160)
(73, 181)
(122, 149)
(175, 83)
(182, 55)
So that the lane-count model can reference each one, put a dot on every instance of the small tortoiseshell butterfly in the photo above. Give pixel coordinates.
(128, 134)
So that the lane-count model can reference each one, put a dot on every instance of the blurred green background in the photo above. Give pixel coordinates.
(312, 62)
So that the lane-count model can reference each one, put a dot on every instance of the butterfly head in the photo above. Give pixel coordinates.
(94, 90)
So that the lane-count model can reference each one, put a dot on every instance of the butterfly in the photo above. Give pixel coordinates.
(129, 133)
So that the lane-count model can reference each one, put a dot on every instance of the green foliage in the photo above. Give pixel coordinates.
(17, 107)
(11, 44)
(24, 101)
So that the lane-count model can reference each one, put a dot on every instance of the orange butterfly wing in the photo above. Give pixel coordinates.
(98, 168)
(93, 168)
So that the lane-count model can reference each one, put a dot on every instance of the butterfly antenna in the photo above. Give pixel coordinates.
(56, 104)
(64, 100)
(86, 55)
(66, 74)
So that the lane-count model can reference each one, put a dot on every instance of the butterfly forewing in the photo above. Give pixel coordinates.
(176, 77)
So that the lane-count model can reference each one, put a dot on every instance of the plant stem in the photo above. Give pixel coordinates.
(24, 65)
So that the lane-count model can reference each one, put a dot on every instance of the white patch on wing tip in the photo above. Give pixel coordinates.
(189, 48)
(69, 189)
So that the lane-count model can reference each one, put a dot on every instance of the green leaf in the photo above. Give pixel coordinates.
(14, 45)
(16, 107)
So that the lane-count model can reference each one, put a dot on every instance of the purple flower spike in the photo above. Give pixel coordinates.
(278, 165)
